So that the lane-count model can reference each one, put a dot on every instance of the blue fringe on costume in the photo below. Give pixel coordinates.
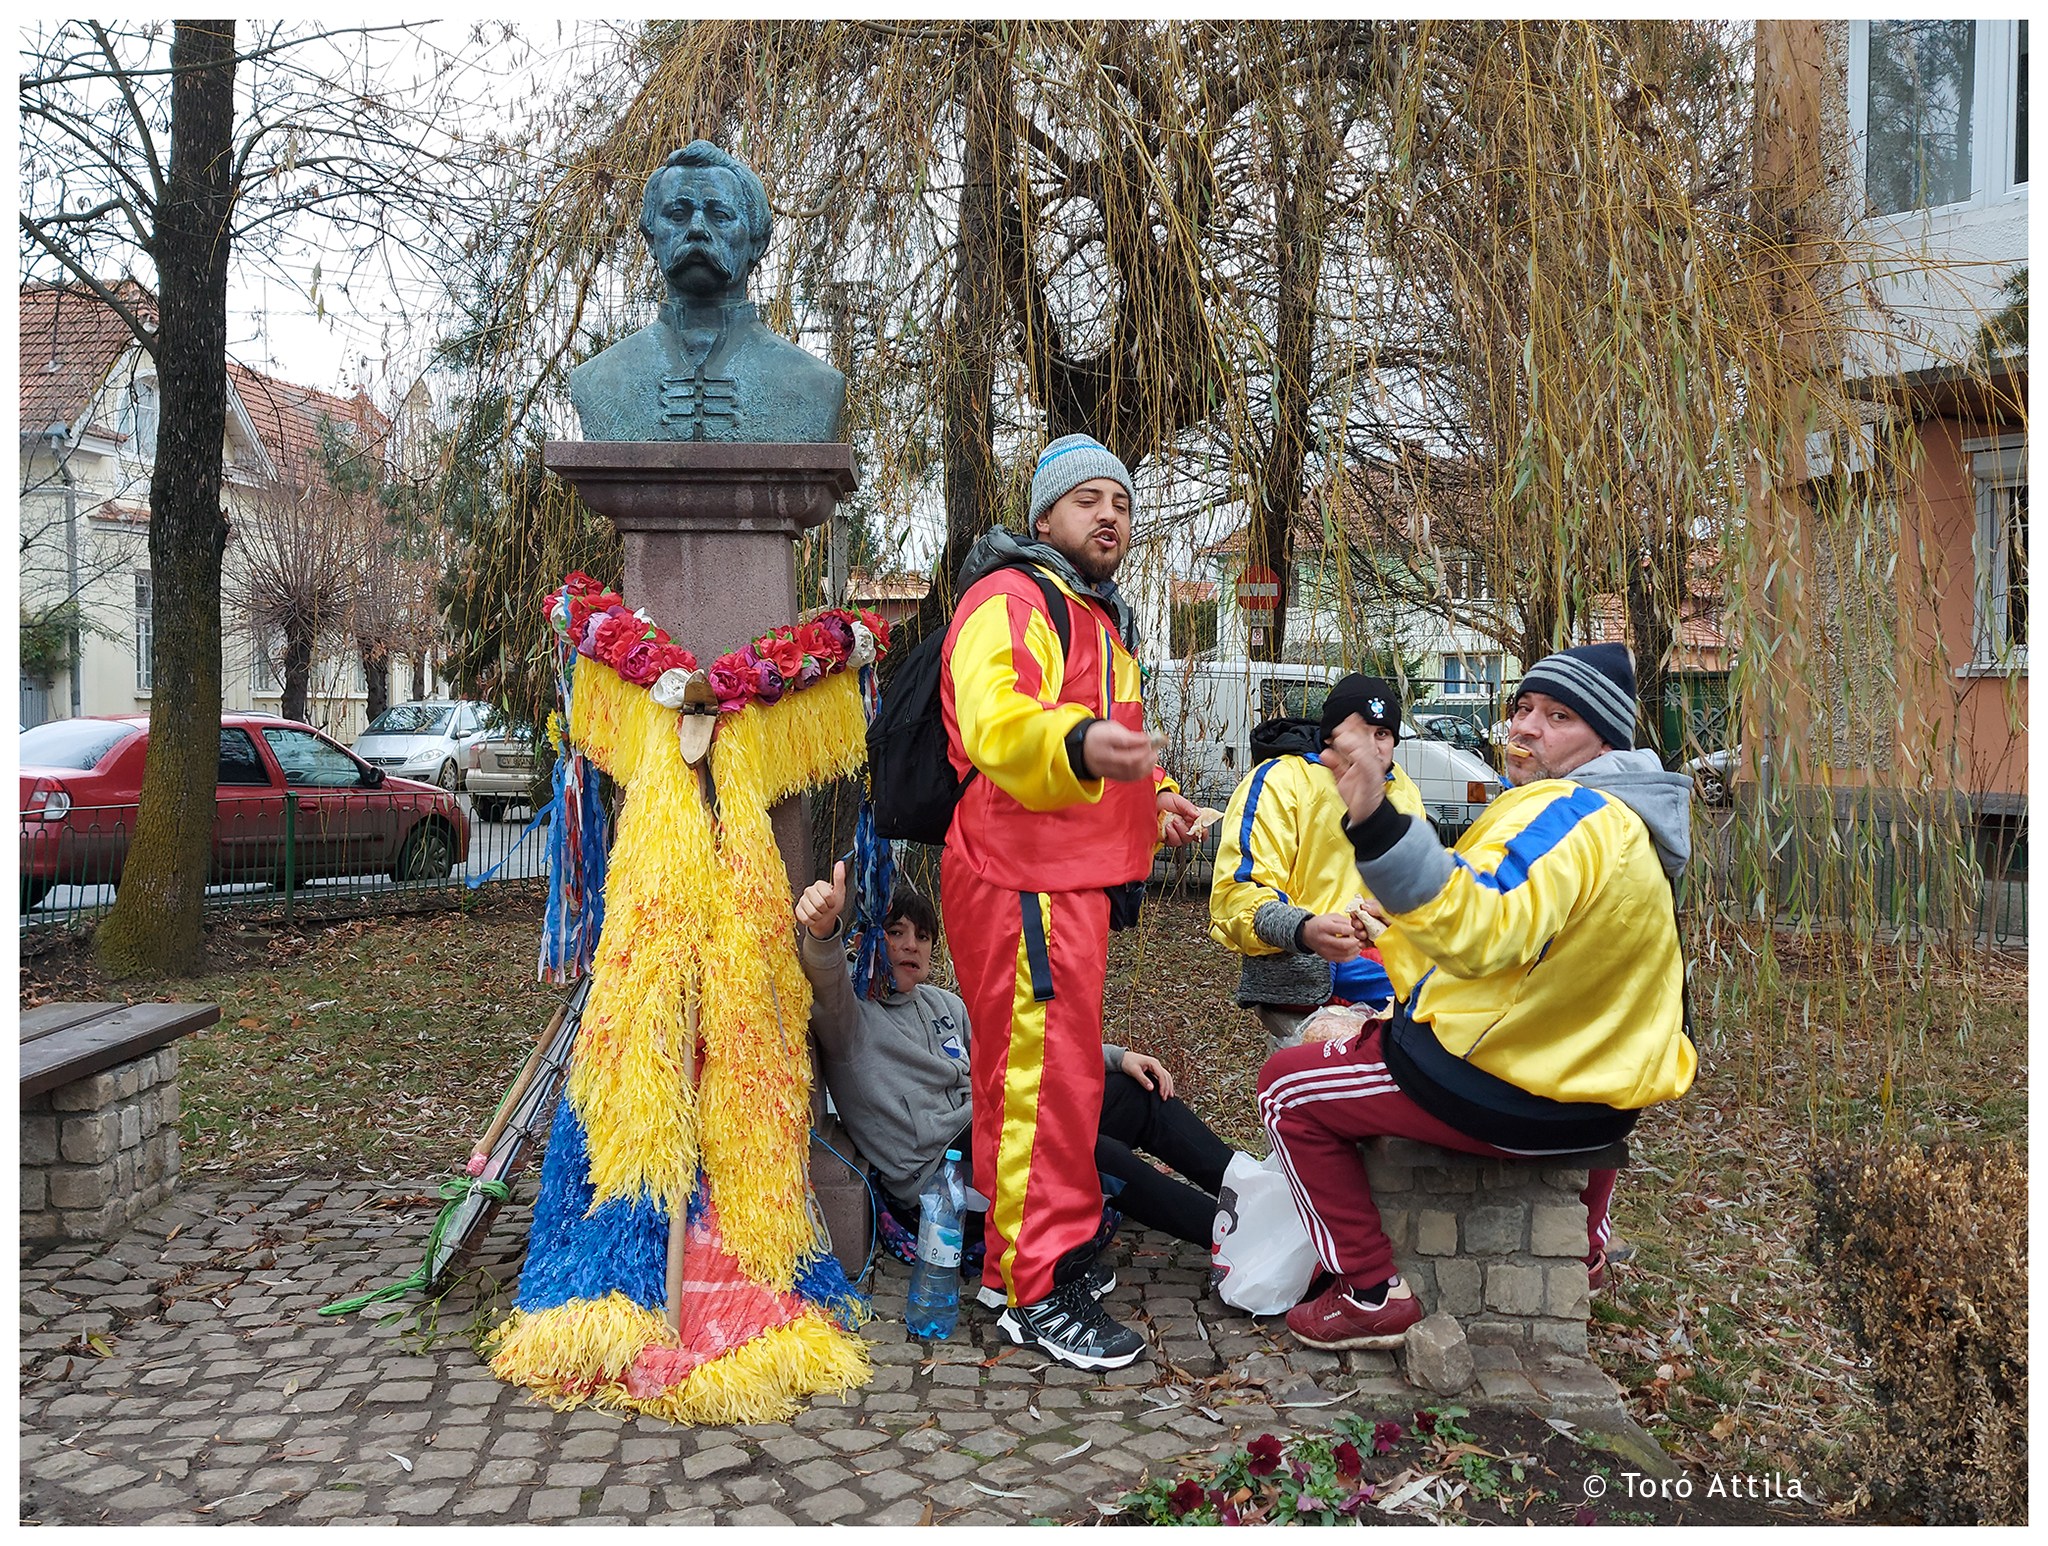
(573, 1253)
(822, 1282)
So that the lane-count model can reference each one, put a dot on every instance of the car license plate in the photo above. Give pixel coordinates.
(523, 761)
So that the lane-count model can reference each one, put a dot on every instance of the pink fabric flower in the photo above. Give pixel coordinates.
(732, 682)
(637, 664)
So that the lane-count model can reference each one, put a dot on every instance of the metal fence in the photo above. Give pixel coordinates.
(329, 853)
(1886, 889)
(310, 852)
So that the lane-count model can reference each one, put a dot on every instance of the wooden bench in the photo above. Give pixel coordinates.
(99, 1110)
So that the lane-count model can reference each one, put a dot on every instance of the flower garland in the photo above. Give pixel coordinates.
(787, 659)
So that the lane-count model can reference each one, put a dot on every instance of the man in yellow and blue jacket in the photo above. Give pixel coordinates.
(1063, 805)
(1285, 879)
(1540, 986)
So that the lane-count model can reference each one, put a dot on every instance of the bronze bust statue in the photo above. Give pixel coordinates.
(706, 368)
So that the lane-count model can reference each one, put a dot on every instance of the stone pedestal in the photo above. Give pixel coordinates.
(710, 531)
(1498, 1244)
(98, 1153)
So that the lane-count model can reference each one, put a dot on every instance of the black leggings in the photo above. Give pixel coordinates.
(1134, 1117)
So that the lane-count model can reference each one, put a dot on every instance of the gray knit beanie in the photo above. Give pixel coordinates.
(1067, 463)
(1597, 682)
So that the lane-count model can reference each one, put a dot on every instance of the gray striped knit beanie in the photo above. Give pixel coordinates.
(1067, 463)
(1597, 682)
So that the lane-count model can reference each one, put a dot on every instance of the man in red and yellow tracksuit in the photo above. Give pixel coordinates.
(1062, 807)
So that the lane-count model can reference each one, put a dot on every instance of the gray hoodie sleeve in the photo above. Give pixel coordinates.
(1112, 1058)
(1277, 923)
(834, 1011)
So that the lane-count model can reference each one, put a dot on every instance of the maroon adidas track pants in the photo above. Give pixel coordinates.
(1317, 1103)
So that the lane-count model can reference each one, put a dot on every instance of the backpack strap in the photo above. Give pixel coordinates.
(1058, 612)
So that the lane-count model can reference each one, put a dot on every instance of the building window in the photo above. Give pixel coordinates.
(145, 631)
(1472, 676)
(2001, 476)
(1920, 109)
(1941, 110)
(263, 658)
(1465, 579)
(2019, 124)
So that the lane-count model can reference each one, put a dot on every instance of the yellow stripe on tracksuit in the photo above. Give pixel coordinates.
(1021, 1083)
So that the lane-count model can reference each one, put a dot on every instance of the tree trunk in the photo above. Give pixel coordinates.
(298, 670)
(1300, 178)
(1652, 630)
(972, 482)
(154, 926)
(419, 676)
(377, 675)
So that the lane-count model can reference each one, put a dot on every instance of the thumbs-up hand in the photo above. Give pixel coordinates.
(818, 909)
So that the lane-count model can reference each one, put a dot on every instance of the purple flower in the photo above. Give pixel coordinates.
(840, 629)
(1356, 1501)
(812, 670)
(768, 683)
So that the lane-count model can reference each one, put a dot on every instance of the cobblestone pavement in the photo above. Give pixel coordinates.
(180, 1375)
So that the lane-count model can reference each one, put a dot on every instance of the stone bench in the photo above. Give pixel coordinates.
(1500, 1245)
(99, 1110)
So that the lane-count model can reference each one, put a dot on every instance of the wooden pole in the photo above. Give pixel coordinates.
(678, 1218)
(489, 1141)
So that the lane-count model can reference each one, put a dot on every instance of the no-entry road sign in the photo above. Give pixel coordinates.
(1258, 589)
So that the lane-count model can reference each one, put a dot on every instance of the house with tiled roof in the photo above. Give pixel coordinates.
(88, 427)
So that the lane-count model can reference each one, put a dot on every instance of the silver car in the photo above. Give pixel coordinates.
(503, 774)
(434, 741)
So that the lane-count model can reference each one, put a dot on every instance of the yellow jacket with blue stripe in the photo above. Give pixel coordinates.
(1281, 858)
(1538, 962)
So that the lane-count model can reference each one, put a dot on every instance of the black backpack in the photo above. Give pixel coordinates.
(910, 779)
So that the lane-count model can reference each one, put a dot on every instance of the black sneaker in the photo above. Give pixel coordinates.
(1099, 1279)
(1073, 1329)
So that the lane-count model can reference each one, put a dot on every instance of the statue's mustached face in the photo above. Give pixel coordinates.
(698, 233)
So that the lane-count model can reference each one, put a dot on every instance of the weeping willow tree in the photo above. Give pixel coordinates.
(1567, 304)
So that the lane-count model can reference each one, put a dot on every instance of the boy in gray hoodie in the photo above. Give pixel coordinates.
(897, 1066)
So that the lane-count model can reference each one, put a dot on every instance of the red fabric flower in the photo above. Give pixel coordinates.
(1187, 1497)
(672, 657)
(577, 583)
(1349, 1461)
(1265, 1453)
(615, 635)
(817, 641)
(781, 651)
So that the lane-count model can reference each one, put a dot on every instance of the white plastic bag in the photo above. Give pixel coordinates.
(1260, 1256)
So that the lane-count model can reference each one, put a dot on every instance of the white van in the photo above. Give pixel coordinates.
(1206, 710)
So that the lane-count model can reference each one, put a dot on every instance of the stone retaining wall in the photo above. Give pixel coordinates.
(1498, 1244)
(100, 1152)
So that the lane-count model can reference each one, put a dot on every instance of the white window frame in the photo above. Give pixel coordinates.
(1996, 107)
(265, 679)
(1473, 682)
(145, 631)
(1997, 465)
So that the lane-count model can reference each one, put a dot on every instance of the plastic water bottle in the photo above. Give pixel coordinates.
(935, 1280)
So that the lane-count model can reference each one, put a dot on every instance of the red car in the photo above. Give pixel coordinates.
(81, 780)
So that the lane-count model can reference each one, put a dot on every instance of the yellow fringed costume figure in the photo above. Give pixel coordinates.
(688, 1097)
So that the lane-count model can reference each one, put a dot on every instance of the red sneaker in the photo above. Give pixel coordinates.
(1334, 1319)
